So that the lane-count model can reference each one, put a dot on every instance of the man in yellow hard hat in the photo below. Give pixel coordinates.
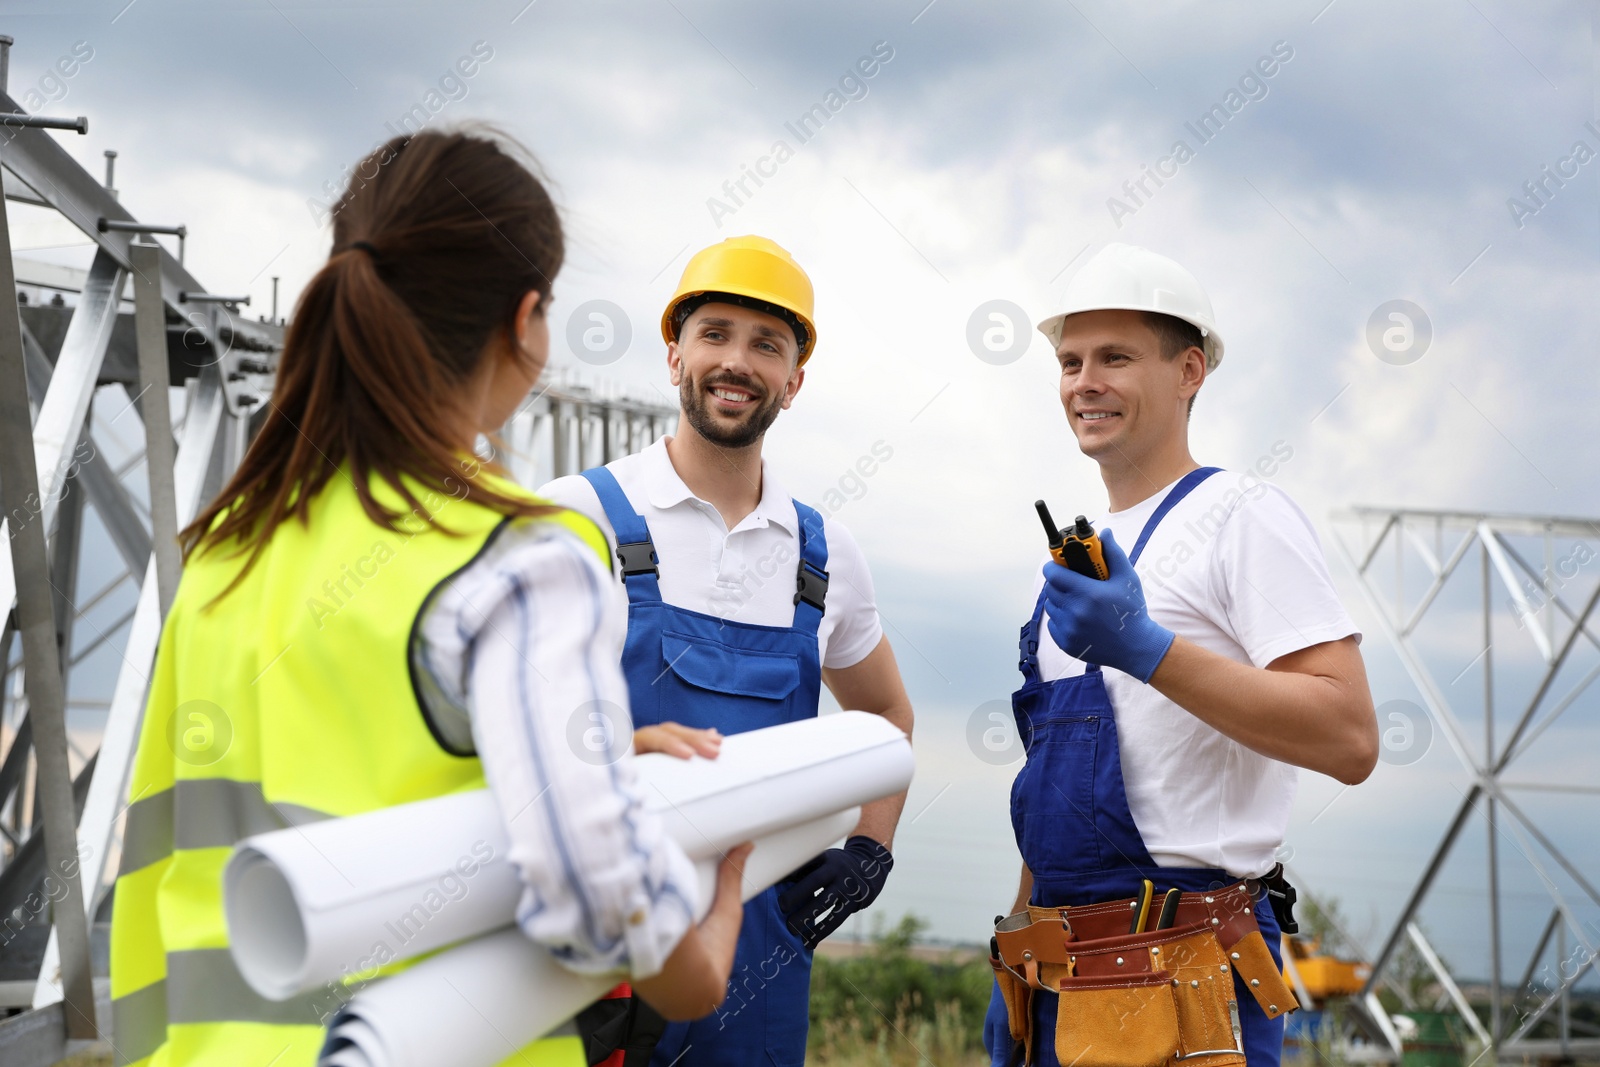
(742, 604)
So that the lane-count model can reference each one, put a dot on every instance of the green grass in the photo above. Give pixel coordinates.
(887, 1008)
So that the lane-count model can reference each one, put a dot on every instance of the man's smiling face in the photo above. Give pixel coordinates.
(1123, 399)
(735, 369)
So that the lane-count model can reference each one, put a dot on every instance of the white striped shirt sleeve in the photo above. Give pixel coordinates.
(529, 640)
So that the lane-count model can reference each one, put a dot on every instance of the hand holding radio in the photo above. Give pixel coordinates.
(1095, 602)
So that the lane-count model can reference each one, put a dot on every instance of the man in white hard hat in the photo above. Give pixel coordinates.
(1165, 709)
(742, 604)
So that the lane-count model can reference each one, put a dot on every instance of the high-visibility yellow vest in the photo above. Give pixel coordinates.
(289, 700)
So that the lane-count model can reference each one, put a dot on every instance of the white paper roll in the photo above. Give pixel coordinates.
(476, 1004)
(309, 905)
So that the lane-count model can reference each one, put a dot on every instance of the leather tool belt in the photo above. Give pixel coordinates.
(1161, 997)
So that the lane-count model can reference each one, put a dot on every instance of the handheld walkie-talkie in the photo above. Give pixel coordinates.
(1076, 547)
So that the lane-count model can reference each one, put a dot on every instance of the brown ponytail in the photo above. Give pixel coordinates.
(435, 242)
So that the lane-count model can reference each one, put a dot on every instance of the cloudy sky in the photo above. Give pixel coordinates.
(993, 148)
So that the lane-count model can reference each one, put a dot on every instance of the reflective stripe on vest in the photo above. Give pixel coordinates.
(216, 813)
(287, 701)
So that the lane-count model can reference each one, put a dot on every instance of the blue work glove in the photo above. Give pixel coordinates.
(997, 1030)
(844, 880)
(1105, 622)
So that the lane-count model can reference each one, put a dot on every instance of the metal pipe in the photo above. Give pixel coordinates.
(150, 327)
(1553, 600)
(1549, 622)
(1420, 890)
(1489, 805)
(1566, 993)
(105, 225)
(1444, 573)
(1372, 551)
(558, 440)
(1522, 845)
(105, 590)
(1506, 522)
(111, 171)
(1554, 999)
(1454, 730)
(1525, 986)
(1590, 950)
(1556, 664)
(1548, 845)
(7, 632)
(101, 638)
(5, 60)
(64, 551)
(19, 483)
(274, 298)
(43, 122)
(187, 297)
(1453, 991)
(1525, 610)
(1552, 787)
(1399, 570)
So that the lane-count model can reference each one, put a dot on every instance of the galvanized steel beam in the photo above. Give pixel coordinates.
(21, 489)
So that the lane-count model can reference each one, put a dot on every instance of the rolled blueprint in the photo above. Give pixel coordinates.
(308, 905)
(477, 1004)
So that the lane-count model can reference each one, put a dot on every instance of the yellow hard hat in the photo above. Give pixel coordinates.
(758, 273)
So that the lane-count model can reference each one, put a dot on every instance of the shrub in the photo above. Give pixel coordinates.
(888, 1007)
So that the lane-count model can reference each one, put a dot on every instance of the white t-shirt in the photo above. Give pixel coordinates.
(1235, 567)
(746, 574)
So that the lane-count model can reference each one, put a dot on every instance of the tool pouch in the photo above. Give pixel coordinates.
(1179, 1001)
(1019, 1000)
(1261, 975)
(1107, 979)
(1202, 987)
(1126, 1021)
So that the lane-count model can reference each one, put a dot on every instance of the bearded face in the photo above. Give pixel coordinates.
(728, 409)
(736, 370)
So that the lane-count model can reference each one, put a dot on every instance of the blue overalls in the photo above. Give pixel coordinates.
(696, 669)
(1070, 813)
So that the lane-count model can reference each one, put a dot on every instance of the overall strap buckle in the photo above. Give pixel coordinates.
(1028, 664)
(638, 557)
(811, 586)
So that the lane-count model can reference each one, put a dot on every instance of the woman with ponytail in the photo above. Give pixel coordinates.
(370, 615)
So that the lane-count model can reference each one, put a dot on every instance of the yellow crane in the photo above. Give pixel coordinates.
(1309, 971)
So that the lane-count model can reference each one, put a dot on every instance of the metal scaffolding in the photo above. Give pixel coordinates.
(568, 426)
(1410, 562)
(86, 363)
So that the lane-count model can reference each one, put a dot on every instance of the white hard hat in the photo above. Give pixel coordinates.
(1123, 277)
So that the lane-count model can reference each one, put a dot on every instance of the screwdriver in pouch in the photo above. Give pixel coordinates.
(1076, 547)
(1141, 907)
(1169, 910)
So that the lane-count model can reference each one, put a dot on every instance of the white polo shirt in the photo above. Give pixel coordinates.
(1236, 568)
(746, 574)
